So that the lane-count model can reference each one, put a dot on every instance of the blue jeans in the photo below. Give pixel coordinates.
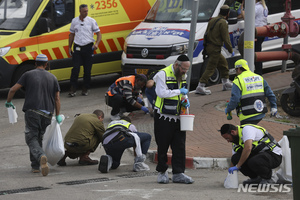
(118, 144)
(35, 126)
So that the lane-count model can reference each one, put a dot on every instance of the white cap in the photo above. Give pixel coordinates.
(42, 58)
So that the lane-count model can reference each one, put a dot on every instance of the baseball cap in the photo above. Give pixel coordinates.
(241, 63)
(41, 58)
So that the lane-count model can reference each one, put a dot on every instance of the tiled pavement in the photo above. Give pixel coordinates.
(205, 140)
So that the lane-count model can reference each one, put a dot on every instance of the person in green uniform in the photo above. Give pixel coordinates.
(83, 137)
(215, 36)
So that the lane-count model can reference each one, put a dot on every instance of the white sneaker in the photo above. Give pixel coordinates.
(115, 117)
(182, 178)
(202, 90)
(227, 85)
(163, 177)
(140, 166)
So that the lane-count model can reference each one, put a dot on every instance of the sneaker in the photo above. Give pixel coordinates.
(115, 117)
(227, 85)
(44, 166)
(201, 89)
(72, 92)
(35, 170)
(266, 182)
(182, 178)
(249, 181)
(84, 92)
(163, 177)
(140, 166)
(105, 163)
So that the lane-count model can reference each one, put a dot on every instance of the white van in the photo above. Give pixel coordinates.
(164, 34)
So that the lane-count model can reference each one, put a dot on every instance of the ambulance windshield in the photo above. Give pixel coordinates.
(16, 14)
(180, 11)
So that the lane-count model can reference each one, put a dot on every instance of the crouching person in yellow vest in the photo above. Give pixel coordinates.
(255, 152)
(120, 135)
(248, 95)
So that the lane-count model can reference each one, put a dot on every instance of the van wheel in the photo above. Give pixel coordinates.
(17, 75)
(215, 78)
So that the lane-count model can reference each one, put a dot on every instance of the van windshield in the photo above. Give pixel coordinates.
(178, 11)
(16, 14)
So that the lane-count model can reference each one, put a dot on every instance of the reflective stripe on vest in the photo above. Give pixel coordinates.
(116, 125)
(253, 96)
(170, 105)
(267, 142)
(112, 89)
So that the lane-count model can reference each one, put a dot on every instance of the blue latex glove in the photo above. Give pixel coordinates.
(58, 118)
(231, 169)
(183, 91)
(139, 100)
(145, 109)
(226, 110)
(186, 104)
(9, 104)
(232, 54)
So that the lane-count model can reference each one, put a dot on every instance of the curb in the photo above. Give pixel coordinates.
(195, 162)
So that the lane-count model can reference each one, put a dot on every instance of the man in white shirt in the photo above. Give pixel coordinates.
(170, 88)
(255, 152)
(81, 33)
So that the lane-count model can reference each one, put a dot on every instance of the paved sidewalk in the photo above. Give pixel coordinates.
(205, 148)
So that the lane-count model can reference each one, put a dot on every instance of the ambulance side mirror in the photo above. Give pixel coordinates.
(43, 25)
(232, 19)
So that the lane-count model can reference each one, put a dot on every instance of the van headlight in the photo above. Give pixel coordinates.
(4, 51)
(179, 49)
(182, 48)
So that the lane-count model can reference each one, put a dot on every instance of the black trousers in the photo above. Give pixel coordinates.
(84, 57)
(260, 164)
(117, 102)
(257, 46)
(167, 133)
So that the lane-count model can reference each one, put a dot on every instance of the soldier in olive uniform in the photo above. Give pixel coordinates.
(215, 36)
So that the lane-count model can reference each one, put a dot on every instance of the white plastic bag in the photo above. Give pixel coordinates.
(231, 180)
(12, 115)
(53, 144)
(285, 169)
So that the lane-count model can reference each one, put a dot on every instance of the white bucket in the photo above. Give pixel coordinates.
(187, 122)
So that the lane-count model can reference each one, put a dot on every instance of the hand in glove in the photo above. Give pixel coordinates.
(185, 103)
(232, 54)
(145, 109)
(58, 118)
(231, 169)
(9, 104)
(273, 111)
(183, 91)
(139, 100)
(226, 111)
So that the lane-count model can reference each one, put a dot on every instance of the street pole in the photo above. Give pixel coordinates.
(249, 33)
(192, 39)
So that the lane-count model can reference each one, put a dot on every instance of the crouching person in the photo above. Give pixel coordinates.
(120, 135)
(256, 152)
(84, 137)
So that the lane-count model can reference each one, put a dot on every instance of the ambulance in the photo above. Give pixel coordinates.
(32, 27)
(164, 35)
